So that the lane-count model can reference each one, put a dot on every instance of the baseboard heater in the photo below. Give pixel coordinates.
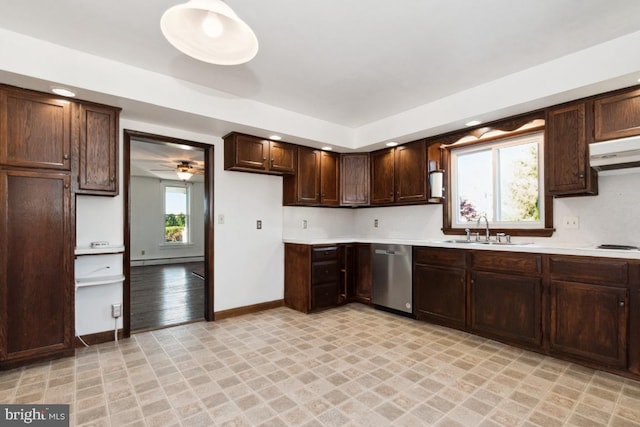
(163, 261)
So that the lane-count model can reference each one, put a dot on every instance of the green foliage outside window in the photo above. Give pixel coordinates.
(174, 226)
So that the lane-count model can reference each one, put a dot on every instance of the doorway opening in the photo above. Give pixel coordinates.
(168, 222)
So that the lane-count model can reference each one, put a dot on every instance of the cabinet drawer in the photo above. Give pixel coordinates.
(590, 269)
(324, 271)
(322, 253)
(505, 261)
(439, 256)
(324, 296)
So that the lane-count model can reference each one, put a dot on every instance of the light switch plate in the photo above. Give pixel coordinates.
(259, 224)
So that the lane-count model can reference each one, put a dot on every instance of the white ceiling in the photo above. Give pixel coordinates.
(159, 160)
(345, 62)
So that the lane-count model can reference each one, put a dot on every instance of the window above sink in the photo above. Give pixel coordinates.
(497, 171)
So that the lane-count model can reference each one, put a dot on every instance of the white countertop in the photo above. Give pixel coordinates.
(561, 249)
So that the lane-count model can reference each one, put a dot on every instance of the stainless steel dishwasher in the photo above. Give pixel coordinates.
(391, 275)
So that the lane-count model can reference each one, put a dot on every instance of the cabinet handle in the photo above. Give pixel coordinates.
(581, 175)
(621, 303)
(112, 179)
(66, 186)
(65, 156)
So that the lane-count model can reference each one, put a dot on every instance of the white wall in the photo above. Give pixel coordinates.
(147, 221)
(248, 262)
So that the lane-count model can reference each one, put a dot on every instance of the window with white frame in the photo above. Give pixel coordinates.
(502, 179)
(176, 213)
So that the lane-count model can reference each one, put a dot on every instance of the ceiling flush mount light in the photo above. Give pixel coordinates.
(275, 137)
(63, 92)
(208, 30)
(391, 144)
(473, 123)
(326, 148)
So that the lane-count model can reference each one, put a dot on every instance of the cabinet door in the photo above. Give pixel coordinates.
(567, 163)
(617, 116)
(329, 179)
(507, 306)
(354, 179)
(98, 151)
(35, 130)
(282, 157)
(411, 172)
(382, 176)
(36, 290)
(363, 275)
(590, 322)
(246, 152)
(439, 294)
(308, 176)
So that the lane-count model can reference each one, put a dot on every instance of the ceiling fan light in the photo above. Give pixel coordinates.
(185, 176)
(210, 31)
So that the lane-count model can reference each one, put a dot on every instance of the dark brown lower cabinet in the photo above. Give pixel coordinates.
(507, 307)
(317, 277)
(590, 322)
(311, 277)
(440, 286)
(439, 294)
(36, 288)
(572, 307)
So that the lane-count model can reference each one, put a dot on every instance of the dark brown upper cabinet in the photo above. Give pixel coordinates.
(354, 179)
(399, 174)
(329, 178)
(98, 150)
(617, 116)
(567, 130)
(248, 153)
(35, 130)
(317, 179)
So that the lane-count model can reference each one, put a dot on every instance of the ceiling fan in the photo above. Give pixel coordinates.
(185, 169)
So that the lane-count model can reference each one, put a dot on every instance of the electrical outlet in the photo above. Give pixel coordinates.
(571, 222)
(259, 224)
(220, 218)
(375, 223)
(304, 224)
(116, 310)
(142, 252)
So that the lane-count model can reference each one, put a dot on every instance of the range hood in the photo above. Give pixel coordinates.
(615, 154)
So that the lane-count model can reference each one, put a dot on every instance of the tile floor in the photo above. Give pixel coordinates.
(347, 366)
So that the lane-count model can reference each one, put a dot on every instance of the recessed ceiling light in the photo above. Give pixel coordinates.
(63, 92)
(391, 144)
(275, 137)
(327, 148)
(473, 123)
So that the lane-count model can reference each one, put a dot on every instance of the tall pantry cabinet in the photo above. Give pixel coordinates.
(36, 291)
(39, 134)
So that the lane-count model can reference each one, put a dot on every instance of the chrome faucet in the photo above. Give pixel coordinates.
(487, 221)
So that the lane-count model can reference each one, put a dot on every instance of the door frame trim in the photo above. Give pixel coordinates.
(208, 150)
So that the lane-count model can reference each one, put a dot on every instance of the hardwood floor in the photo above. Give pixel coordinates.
(163, 295)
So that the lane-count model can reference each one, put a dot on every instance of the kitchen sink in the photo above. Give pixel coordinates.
(494, 243)
(484, 242)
